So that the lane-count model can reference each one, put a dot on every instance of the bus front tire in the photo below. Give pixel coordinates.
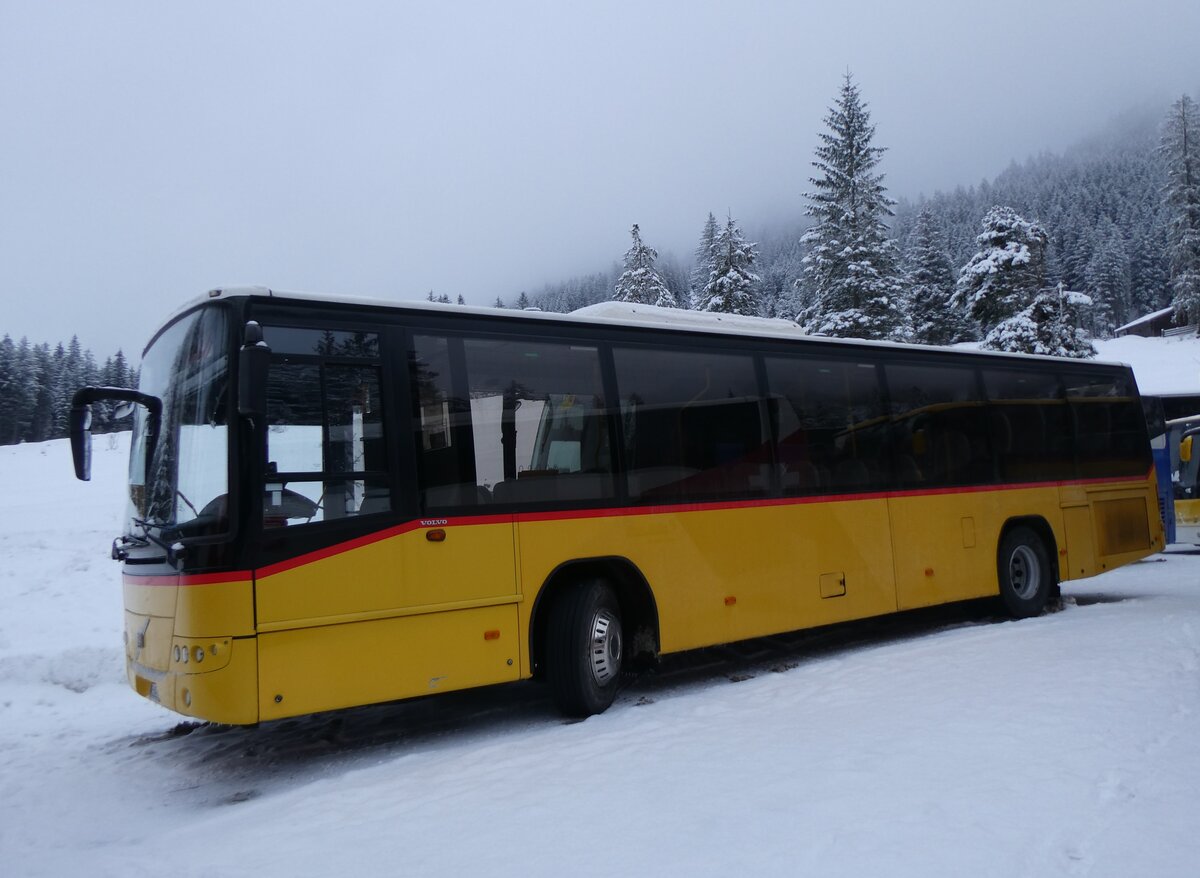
(585, 647)
(1026, 575)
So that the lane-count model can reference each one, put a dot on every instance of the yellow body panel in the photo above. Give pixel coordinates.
(403, 571)
(216, 610)
(311, 669)
(768, 559)
(945, 544)
(215, 617)
(1107, 525)
(1187, 521)
(1187, 512)
(403, 616)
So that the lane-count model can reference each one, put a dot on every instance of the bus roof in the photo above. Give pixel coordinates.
(623, 314)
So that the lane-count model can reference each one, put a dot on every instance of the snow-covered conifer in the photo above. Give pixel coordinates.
(641, 283)
(1181, 149)
(731, 283)
(1050, 325)
(1107, 275)
(705, 259)
(930, 280)
(1005, 274)
(851, 265)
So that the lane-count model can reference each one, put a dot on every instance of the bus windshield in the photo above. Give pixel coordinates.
(184, 484)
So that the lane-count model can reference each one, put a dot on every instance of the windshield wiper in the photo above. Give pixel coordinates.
(157, 540)
(122, 544)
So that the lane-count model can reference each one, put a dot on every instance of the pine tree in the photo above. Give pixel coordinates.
(705, 260)
(461, 300)
(676, 279)
(1007, 271)
(499, 303)
(1108, 279)
(731, 283)
(42, 426)
(850, 268)
(1149, 272)
(1181, 150)
(641, 283)
(1049, 325)
(930, 281)
(9, 389)
(522, 301)
(119, 377)
(779, 266)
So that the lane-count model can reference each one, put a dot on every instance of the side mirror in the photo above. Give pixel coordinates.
(80, 422)
(1185, 449)
(81, 440)
(253, 360)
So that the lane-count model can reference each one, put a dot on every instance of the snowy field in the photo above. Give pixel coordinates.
(940, 743)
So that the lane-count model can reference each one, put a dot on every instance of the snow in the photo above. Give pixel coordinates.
(686, 319)
(1162, 366)
(946, 742)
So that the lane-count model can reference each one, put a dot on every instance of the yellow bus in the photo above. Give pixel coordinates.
(338, 502)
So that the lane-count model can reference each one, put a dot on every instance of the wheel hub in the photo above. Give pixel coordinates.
(605, 650)
(1024, 572)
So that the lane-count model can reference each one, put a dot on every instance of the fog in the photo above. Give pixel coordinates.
(150, 151)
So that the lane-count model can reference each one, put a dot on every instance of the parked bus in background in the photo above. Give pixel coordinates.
(337, 502)
(1174, 422)
(1187, 496)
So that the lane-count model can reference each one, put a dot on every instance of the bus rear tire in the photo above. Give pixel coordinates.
(1026, 575)
(585, 647)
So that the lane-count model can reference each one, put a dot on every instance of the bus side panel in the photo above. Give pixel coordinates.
(306, 670)
(401, 572)
(945, 544)
(1109, 525)
(728, 574)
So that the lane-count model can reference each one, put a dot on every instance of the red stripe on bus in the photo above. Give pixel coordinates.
(577, 514)
(676, 508)
(188, 578)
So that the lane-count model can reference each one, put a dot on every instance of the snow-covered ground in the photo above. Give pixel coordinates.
(1162, 365)
(939, 743)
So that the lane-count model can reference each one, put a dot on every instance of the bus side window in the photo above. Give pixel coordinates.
(830, 432)
(445, 466)
(1110, 430)
(539, 422)
(326, 456)
(1030, 425)
(692, 424)
(939, 426)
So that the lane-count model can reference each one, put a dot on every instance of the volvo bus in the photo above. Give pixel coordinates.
(336, 502)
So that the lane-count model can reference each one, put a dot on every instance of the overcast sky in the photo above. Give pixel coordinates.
(150, 151)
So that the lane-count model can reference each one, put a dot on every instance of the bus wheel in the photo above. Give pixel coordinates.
(1026, 577)
(584, 648)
